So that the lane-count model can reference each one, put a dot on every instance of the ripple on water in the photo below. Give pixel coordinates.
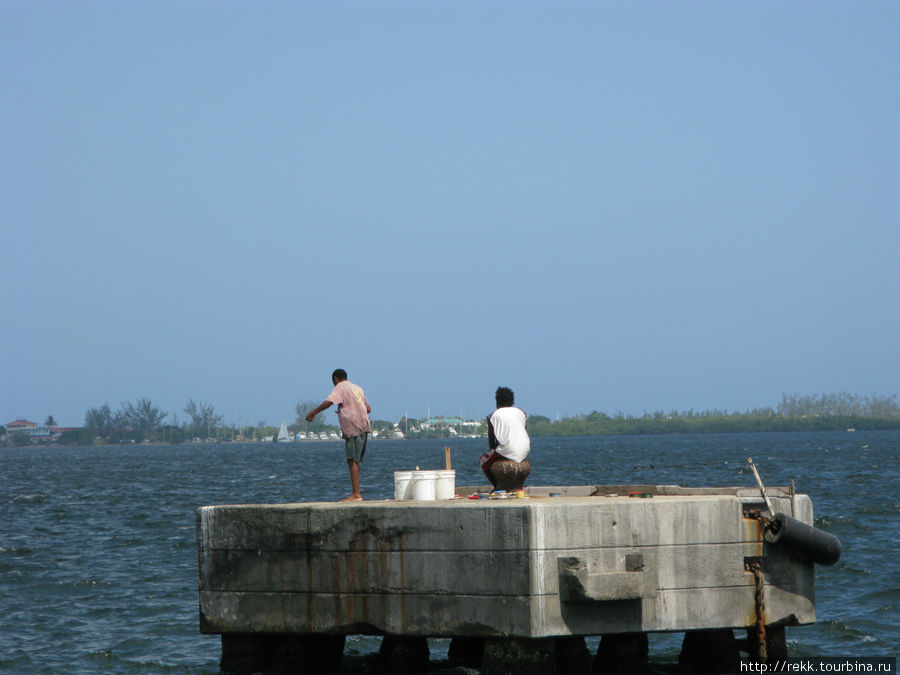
(841, 631)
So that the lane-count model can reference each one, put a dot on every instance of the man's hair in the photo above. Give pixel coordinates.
(505, 397)
(339, 375)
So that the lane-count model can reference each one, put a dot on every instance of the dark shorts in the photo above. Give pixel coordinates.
(355, 448)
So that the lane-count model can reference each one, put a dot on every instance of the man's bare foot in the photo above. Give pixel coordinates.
(352, 498)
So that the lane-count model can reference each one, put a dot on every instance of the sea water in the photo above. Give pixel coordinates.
(98, 559)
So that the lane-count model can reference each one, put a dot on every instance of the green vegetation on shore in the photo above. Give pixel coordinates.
(598, 424)
(143, 421)
(826, 412)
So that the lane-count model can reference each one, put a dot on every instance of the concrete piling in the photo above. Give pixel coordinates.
(622, 654)
(265, 652)
(519, 656)
(710, 652)
(775, 644)
(466, 651)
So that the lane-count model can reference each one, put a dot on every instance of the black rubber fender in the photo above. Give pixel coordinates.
(810, 542)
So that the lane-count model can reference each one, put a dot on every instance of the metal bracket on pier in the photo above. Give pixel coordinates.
(576, 584)
(762, 488)
(802, 539)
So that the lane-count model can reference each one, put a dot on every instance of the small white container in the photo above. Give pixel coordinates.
(403, 485)
(445, 484)
(423, 483)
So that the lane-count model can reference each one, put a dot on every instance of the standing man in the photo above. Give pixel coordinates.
(353, 415)
(505, 464)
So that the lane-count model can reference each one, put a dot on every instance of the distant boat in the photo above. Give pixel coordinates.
(283, 436)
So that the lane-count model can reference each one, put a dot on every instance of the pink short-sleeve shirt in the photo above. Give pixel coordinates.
(352, 407)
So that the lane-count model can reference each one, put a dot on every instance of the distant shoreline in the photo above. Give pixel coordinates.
(598, 424)
(894, 426)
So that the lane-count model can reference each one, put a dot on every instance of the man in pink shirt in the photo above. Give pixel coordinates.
(353, 415)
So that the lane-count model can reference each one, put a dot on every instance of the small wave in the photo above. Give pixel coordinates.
(879, 509)
(845, 632)
(841, 525)
(892, 595)
(16, 663)
(34, 499)
(852, 569)
(86, 582)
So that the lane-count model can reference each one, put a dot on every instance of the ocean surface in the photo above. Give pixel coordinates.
(98, 562)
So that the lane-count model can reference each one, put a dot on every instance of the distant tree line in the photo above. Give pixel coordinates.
(838, 405)
(141, 420)
(132, 422)
(824, 412)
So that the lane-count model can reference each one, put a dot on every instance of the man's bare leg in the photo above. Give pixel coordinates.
(355, 496)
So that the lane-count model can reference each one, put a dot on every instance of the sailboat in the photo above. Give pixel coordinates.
(283, 436)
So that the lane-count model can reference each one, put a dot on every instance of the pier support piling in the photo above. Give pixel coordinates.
(405, 655)
(572, 656)
(621, 654)
(519, 656)
(775, 644)
(466, 652)
(710, 651)
(270, 652)
(246, 652)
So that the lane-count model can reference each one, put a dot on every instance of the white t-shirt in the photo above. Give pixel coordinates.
(509, 430)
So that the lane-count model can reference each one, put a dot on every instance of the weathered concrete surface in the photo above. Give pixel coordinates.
(537, 567)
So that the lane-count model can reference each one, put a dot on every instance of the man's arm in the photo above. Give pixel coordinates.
(493, 443)
(324, 405)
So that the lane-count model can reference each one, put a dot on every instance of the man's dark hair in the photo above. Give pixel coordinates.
(339, 375)
(505, 397)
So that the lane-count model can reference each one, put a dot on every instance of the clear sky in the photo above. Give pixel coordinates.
(614, 206)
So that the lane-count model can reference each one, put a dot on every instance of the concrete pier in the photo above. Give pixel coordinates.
(595, 560)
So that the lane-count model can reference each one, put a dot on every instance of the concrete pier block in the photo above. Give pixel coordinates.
(593, 561)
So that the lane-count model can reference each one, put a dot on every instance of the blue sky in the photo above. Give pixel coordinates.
(605, 206)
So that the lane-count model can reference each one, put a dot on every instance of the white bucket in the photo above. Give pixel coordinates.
(403, 484)
(423, 485)
(445, 484)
